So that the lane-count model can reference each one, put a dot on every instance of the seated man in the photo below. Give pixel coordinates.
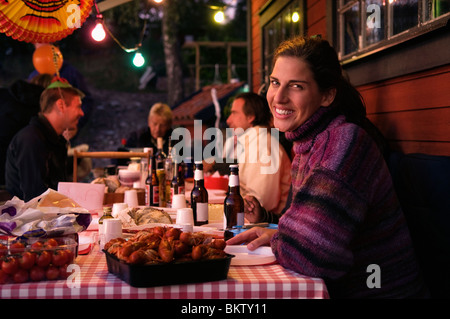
(262, 174)
(37, 155)
(159, 125)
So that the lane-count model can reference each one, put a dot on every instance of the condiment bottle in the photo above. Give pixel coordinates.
(199, 197)
(233, 207)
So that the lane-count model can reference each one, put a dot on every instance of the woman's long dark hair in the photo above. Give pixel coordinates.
(324, 63)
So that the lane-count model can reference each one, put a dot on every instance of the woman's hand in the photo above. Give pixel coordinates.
(252, 208)
(254, 237)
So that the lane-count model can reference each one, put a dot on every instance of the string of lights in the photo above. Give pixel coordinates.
(100, 30)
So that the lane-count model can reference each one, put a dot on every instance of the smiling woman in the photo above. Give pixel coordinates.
(343, 215)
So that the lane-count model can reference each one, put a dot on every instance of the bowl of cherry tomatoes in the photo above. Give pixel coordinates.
(36, 259)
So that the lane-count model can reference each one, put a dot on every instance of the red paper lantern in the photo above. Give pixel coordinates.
(47, 59)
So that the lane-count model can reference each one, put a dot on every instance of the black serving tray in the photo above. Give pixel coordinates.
(163, 274)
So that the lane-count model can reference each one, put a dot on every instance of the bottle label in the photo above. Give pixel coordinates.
(233, 180)
(240, 219)
(198, 175)
(202, 212)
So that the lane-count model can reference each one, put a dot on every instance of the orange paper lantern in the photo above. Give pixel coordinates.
(47, 59)
(42, 21)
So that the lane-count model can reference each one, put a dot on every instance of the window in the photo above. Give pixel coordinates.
(280, 20)
(367, 26)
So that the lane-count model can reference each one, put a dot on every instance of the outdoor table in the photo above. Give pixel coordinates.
(95, 282)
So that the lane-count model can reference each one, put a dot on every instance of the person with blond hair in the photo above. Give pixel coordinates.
(159, 124)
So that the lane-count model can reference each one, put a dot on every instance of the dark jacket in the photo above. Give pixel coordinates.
(18, 104)
(143, 138)
(36, 160)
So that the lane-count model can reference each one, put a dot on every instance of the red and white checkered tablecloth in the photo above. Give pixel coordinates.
(243, 282)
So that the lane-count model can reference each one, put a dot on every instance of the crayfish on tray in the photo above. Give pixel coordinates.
(164, 245)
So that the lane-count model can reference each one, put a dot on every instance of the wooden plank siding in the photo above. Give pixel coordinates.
(411, 110)
(316, 17)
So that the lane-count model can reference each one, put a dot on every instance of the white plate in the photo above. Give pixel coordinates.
(260, 256)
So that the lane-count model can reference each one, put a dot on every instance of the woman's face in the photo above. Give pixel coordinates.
(293, 94)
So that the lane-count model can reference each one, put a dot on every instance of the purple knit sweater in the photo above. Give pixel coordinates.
(344, 214)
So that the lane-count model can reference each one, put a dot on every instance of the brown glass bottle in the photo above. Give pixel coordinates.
(160, 156)
(199, 197)
(174, 187)
(233, 207)
(181, 183)
(152, 185)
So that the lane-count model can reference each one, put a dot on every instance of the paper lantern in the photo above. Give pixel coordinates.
(42, 21)
(47, 59)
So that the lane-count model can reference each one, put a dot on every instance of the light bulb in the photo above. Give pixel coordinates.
(219, 17)
(138, 60)
(295, 17)
(98, 33)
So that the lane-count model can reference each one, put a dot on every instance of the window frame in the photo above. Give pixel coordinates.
(268, 14)
(391, 39)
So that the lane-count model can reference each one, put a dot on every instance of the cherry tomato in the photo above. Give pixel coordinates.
(21, 276)
(17, 247)
(10, 265)
(51, 242)
(4, 277)
(59, 258)
(63, 274)
(37, 273)
(70, 255)
(52, 273)
(27, 260)
(44, 259)
(3, 250)
(37, 245)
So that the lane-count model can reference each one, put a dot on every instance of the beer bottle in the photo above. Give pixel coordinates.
(174, 187)
(160, 156)
(152, 185)
(199, 197)
(181, 184)
(169, 172)
(234, 203)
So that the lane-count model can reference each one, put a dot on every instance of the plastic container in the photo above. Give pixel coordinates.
(163, 274)
(36, 259)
